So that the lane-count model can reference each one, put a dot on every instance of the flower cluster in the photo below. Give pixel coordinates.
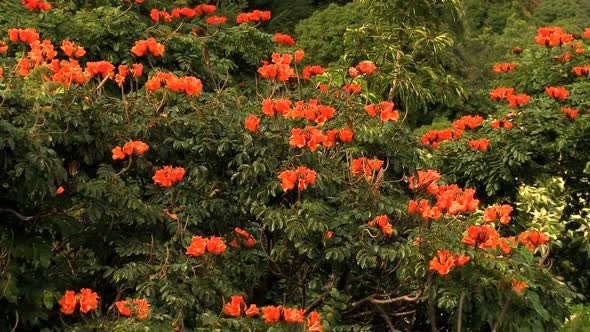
(216, 20)
(450, 199)
(367, 167)
(254, 16)
(87, 298)
(72, 50)
(560, 93)
(549, 36)
(302, 176)
(183, 12)
(571, 113)
(518, 286)
(271, 313)
(383, 223)
(502, 211)
(435, 137)
(27, 35)
(481, 144)
(308, 136)
(366, 67)
(351, 89)
(446, 261)
(284, 39)
(563, 58)
(3, 46)
(385, 109)
(532, 238)
(36, 4)
(582, 71)
(269, 106)
(503, 67)
(242, 237)
(124, 71)
(483, 236)
(191, 85)
(425, 180)
(345, 135)
(501, 93)
(104, 68)
(501, 123)
(168, 175)
(309, 71)
(252, 122)
(280, 68)
(467, 121)
(508, 94)
(517, 100)
(150, 44)
(311, 111)
(214, 245)
(137, 147)
(141, 308)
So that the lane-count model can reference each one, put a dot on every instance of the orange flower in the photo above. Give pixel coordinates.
(3, 47)
(298, 56)
(118, 153)
(308, 136)
(150, 44)
(124, 307)
(517, 100)
(243, 237)
(309, 71)
(443, 263)
(302, 175)
(284, 39)
(216, 20)
(234, 307)
(328, 235)
(518, 286)
(557, 92)
(72, 50)
(293, 315)
(254, 16)
(68, 302)
(138, 147)
(507, 243)
(271, 314)
(137, 69)
(168, 175)
(215, 245)
(366, 67)
(346, 135)
(501, 93)
(252, 122)
(313, 322)
(460, 260)
(60, 190)
(252, 311)
(482, 144)
(467, 121)
(484, 236)
(425, 179)
(197, 247)
(143, 308)
(28, 35)
(370, 167)
(352, 72)
(571, 113)
(88, 300)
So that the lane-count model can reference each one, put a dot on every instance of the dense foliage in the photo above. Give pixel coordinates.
(189, 167)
